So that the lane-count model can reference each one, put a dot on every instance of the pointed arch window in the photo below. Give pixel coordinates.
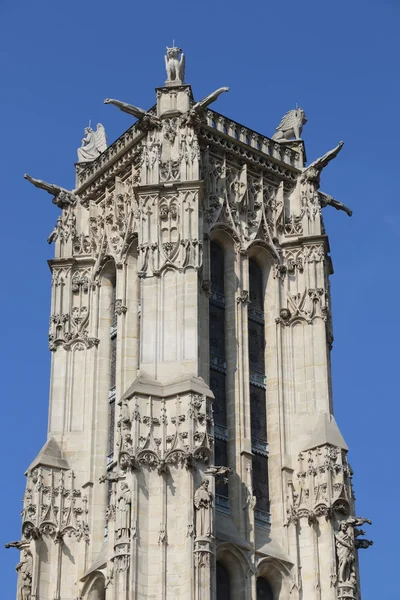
(113, 373)
(218, 365)
(264, 591)
(258, 409)
(223, 586)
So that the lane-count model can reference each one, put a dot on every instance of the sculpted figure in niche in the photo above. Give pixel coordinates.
(345, 548)
(123, 513)
(93, 144)
(203, 506)
(24, 570)
(291, 125)
(175, 65)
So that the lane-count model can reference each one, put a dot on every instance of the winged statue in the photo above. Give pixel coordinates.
(61, 196)
(93, 144)
(291, 125)
(147, 118)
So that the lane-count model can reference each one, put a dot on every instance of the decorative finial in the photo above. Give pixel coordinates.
(175, 65)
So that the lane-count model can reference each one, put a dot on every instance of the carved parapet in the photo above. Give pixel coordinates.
(253, 140)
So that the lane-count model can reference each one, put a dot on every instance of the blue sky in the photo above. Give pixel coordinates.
(339, 61)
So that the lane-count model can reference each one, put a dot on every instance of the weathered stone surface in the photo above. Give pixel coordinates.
(191, 439)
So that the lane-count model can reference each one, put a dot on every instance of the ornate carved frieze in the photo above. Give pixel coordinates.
(113, 224)
(69, 324)
(65, 227)
(323, 486)
(168, 232)
(304, 306)
(53, 506)
(249, 206)
(174, 433)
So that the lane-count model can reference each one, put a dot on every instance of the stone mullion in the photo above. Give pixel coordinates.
(276, 362)
(129, 317)
(120, 305)
(308, 564)
(327, 558)
(60, 357)
(134, 561)
(244, 425)
(99, 429)
(320, 359)
(233, 392)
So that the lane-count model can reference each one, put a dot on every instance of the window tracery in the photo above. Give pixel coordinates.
(113, 372)
(258, 408)
(218, 358)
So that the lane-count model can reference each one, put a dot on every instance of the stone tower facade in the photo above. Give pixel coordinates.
(192, 451)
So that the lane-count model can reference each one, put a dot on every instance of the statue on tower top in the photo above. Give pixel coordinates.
(291, 125)
(175, 66)
(93, 144)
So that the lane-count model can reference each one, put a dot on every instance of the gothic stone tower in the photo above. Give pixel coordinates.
(192, 453)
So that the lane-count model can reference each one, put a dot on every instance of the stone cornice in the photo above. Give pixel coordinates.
(280, 159)
(169, 187)
(70, 262)
(305, 240)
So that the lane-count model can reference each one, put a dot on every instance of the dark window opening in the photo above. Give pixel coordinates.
(223, 586)
(264, 591)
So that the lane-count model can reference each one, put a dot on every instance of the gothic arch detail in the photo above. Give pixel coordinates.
(94, 587)
(237, 568)
(277, 575)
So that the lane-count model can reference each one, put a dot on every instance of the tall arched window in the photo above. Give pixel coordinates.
(258, 407)
(218, 365)
(264, 591)
(97, 589)
(113, 373)
(223, 586)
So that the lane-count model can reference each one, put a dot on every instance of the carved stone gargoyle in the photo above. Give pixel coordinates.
(311, 175)
(194, 114)
(61, 197)
(146, 120)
